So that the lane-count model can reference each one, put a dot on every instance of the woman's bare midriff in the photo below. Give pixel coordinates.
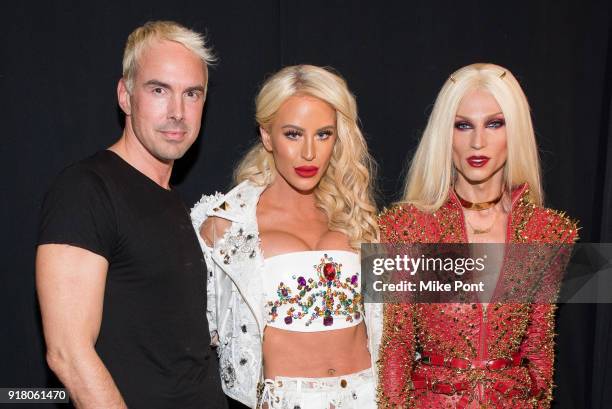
(315, 354)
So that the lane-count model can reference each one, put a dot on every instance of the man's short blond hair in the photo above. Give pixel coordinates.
(151, 31)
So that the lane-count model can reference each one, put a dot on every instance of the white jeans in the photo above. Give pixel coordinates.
(353, 391)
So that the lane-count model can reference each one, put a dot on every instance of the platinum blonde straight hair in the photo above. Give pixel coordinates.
(151, 31)
(432, 173)
(345, 192)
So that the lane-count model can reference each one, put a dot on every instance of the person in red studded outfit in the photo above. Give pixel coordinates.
(474, 178)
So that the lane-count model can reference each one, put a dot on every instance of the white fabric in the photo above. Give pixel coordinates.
(354, 391)
(299, 296)
(235, 295)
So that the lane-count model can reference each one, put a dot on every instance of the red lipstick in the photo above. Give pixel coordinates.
(477, 161)
(306, 171)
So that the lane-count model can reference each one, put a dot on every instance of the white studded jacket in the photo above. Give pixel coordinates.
(235, 296)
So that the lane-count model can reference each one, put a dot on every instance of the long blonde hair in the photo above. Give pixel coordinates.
(345, 191)
(431, 174)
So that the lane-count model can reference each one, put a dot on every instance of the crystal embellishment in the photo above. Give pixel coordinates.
(330, 296)
(239, 246)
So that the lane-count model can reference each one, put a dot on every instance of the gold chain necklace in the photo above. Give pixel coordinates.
(476, 230)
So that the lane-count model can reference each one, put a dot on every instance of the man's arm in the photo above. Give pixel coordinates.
(70, 282)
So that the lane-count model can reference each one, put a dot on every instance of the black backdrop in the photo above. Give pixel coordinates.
(61, 61)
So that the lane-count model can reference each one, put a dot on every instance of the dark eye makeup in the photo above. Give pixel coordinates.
(325, 134)
(495, 123)
(292, 133)
(463, 125)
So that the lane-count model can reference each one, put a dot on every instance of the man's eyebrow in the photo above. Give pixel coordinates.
(196, 88)
(157, 83)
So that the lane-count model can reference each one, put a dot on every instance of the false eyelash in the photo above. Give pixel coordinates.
(498, 121)
(458, 124)
(292, 133)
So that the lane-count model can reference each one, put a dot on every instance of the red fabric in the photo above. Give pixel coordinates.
(460, 331)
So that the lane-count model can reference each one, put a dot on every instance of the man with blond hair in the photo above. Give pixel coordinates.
(119, 272)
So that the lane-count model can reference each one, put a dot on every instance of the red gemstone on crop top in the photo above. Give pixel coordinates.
(329, 271)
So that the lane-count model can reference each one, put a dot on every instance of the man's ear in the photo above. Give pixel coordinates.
(265, 139)
(123, 96)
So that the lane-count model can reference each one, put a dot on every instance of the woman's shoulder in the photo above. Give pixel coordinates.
(399, 211)
(233, 205)
(404, 222)
(213, 215)
(553, 226)
(533, 223)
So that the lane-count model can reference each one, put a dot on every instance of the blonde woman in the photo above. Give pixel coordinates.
(282, 249)
(475, 178)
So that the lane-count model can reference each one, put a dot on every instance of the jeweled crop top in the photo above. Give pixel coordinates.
(309, 291)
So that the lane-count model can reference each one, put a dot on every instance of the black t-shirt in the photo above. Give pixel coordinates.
(154, 336)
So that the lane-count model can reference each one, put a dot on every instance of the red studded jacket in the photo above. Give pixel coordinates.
(471, 356)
